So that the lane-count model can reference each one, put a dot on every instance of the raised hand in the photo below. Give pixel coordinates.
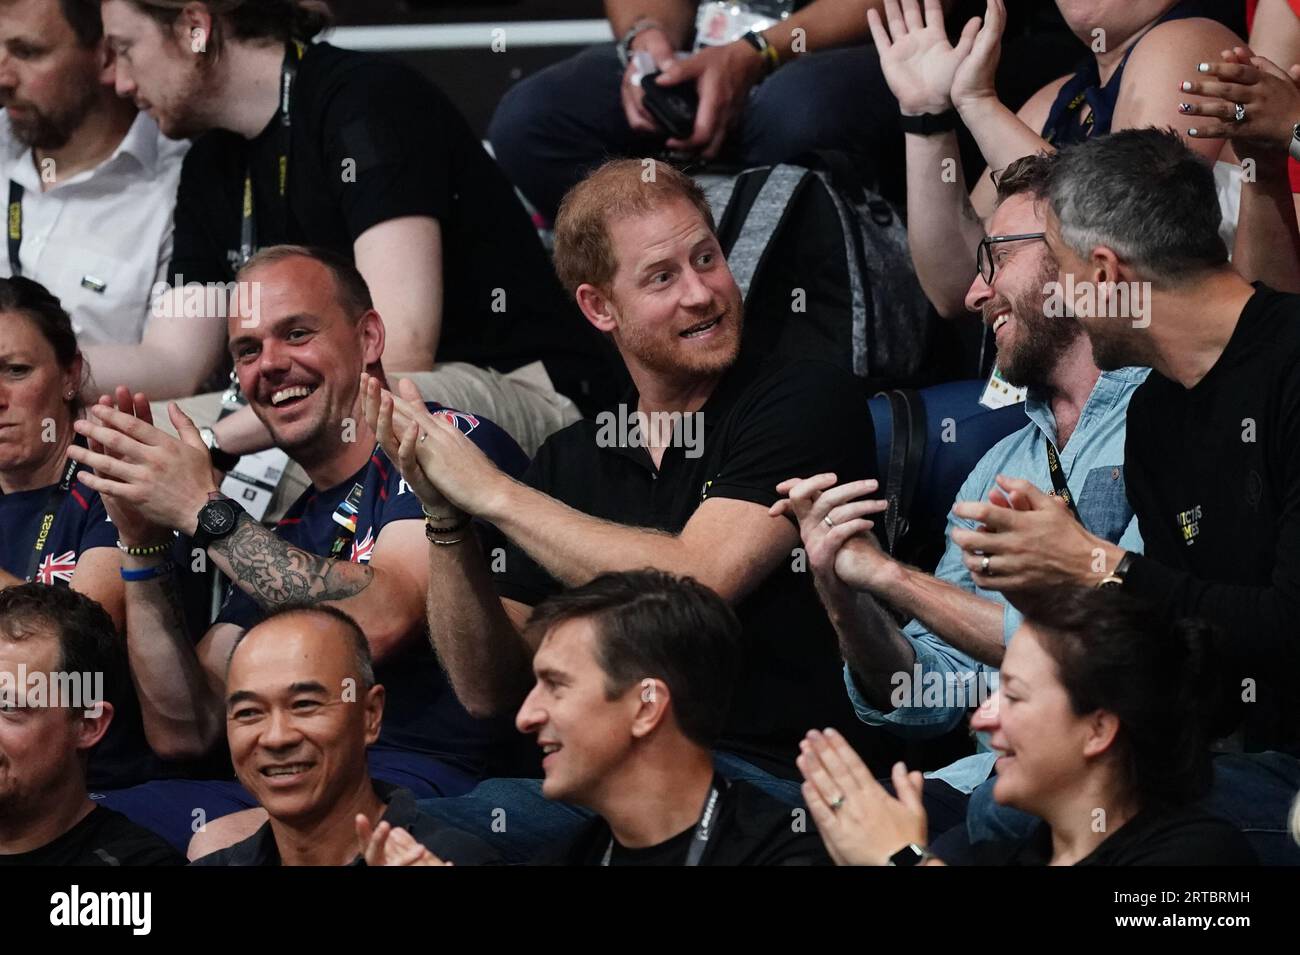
(835, 529)
(133, 529)
(386, 844)
(974, 78)
(1267, 93)
(918, 61)
(438, 460)
(164, 480)
(390, 419)
(860, 823)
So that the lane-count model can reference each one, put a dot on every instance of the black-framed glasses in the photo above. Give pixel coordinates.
(984, 258)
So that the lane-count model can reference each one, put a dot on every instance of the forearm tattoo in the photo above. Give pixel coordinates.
(274, 572)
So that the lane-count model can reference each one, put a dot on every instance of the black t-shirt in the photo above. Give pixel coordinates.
(761, 426)
(1182, 837)
(373, 140)
(1213, 474)
(103, 837)
(752, 828)
(448, 844)
(421, 713)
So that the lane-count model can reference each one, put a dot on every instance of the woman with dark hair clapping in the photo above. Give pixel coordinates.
(1102, 722)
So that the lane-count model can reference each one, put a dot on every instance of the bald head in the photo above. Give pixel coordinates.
(301, 709)
(325, 631)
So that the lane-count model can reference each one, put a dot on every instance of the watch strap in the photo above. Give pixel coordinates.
(765, 49)
(624, 45)
(203, 538)
(928, 124)
(910, 855)
(223, 461)
(1116, 577)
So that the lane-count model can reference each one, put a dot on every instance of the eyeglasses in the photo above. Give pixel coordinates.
(984, 258)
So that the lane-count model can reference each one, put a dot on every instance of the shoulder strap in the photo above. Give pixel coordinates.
(763, 222)
(906, 454)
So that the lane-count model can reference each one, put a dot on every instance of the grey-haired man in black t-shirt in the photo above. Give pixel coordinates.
(1212, 455)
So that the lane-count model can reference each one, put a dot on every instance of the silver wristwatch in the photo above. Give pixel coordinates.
(1294, 146)
(624, 46)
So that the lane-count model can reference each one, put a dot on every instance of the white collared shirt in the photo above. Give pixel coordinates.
(100, 240)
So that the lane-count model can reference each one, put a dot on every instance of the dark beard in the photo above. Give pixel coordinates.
(43, 130)
(1040, 341)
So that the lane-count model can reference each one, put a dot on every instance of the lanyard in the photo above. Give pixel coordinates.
(15, 228)
(293, 54)
(46, 526)
(1058, 478)
(699, 839)
(345, 515)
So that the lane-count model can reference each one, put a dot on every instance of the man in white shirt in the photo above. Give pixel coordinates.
(90, 187)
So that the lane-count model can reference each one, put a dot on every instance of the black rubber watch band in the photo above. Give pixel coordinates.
(928, 124)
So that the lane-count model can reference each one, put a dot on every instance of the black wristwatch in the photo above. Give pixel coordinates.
(910, 855)
(928, 124)
(217, 519)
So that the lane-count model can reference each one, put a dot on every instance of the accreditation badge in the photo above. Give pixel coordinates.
(717, 24)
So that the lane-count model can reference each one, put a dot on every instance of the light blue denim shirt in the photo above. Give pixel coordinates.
(1093, 461)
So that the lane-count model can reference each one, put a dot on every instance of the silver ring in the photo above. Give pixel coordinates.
(984, 565)
(836, 803)
(1240, 112)
(829, 522)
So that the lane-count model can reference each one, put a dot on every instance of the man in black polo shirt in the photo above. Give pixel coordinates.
(1212, 455)
(55, 641)
(301, 142)
(302, 705)
(679, 477)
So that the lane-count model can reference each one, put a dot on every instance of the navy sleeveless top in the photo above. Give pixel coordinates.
(1063, 125)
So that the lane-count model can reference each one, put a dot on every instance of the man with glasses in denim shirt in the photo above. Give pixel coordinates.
(958, 632)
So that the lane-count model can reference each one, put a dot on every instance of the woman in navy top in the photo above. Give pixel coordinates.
(53, 529)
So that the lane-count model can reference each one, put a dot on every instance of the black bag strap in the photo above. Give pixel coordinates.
(906, 454)
(778, 188)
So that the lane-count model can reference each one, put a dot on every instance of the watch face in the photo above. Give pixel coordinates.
(218, 518)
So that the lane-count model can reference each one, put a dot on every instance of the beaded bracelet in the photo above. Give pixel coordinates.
(153, 550)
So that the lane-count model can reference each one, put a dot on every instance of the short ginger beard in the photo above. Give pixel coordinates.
(1039, 341)
(663, 360)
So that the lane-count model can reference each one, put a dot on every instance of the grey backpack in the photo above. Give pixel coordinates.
(824, 267)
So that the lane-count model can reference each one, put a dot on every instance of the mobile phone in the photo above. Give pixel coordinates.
(673, 107)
